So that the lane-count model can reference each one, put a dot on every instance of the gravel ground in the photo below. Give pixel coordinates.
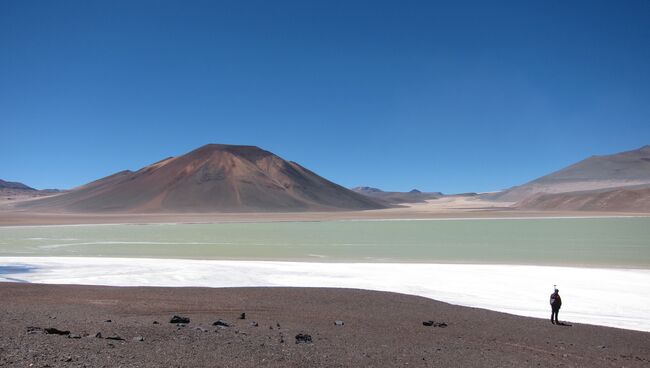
(377, 330)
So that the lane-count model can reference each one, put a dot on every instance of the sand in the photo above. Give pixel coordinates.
(380, 330)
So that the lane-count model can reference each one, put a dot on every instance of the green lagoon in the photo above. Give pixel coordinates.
(592, 242)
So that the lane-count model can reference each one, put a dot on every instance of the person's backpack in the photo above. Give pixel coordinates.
(553, 299)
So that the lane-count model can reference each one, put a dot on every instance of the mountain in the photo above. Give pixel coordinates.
(413, 196)
(212, 178)
(14, 185)
(623, 169)
(13, 191)
(626, 199)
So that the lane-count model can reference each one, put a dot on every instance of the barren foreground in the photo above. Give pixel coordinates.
(378, 329)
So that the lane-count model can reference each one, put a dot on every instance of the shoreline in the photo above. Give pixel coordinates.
(447, 208)
(516, 289)
(272, 218)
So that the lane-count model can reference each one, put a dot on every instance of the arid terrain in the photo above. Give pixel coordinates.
(211, 178)
(287, 327)
(581, 186)
(245, 183)
(447, 207)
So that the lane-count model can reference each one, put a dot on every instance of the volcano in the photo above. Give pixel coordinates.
(212, 178)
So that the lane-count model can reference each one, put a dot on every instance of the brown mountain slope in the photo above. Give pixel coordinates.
(212, 178)
(627, 199)
(628, 168)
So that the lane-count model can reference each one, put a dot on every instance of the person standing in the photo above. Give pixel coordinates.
(556, 303)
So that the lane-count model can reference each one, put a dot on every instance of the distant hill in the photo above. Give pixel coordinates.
(14, 191)
(631, 168)
(413, 196)
(212, 178)
(14, 185)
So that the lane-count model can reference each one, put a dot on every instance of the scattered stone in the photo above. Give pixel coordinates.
(222, 323)
(270, 327)
(34, 330)
(156, 322)
(179, 319)
(338, 322)
(277, 325)
(98, 335)
(115, 337)
(254, 324)
(435, 324)
(68, 359)
(303, 338)
(138, 338)
(201, 329)
(108, 321)
(242, 316)
(54, 331)
(73, 336)
(180, 325)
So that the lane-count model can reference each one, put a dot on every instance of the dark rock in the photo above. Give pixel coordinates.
(72, 336)
(34, 330)
(54, 331)
(434, 324)
(303, 338)
(222, 323)
(201, 329)
(108, 321)
(138, 338)
(242, 316)
(156, 322)
(114, 337)
(98, 335)
(254, 324)
(338, 322)
(179, 319)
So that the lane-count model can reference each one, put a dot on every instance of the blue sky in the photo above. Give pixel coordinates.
(443, 96)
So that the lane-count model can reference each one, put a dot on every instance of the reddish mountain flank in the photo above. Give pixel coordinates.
(212, 178)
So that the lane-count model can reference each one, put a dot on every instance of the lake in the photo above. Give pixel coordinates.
(588, 242)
